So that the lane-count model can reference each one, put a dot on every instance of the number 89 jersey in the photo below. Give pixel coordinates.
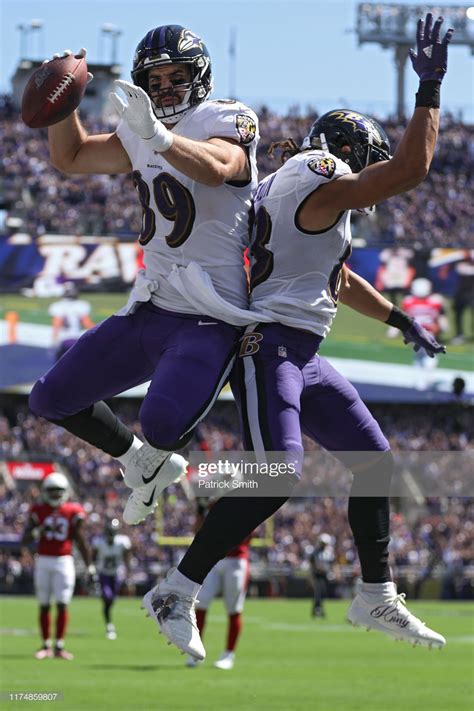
(295, 274)
(57, 527)
(186, 221)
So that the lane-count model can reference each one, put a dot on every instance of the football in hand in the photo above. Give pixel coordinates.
(54, 91)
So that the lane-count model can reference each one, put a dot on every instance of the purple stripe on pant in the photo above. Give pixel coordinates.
(283, 388)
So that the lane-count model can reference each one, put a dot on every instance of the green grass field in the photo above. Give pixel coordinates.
(353, 335)
(286, 661)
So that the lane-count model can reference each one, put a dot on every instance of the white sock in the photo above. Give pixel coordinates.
(182, 584)
(130, 453)
(383, 589)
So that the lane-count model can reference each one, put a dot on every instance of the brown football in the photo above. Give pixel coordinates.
(54, 91)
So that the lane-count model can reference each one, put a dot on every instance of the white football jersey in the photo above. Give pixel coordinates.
(110, 555)
(296, 274)
(186, 221)
(71, 312)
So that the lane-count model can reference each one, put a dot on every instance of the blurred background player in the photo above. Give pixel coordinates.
(428, 309)
(55, 523)
(464, 296)
(111, 553)
(395, 272)
(322, 559)
(71, 316)
(229, 578)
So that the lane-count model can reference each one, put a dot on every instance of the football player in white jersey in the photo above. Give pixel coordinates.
(112, 553)
(301, 240)
(194, 168)
(71, 316)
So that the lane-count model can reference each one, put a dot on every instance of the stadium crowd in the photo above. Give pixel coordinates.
(438, 534)
(438, 213)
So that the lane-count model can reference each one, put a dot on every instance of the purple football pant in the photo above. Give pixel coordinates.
(188, 359)
(283, 388)
(63, 347)
(109, 587)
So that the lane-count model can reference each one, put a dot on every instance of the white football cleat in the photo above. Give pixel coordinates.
(111, 633)
(175, 615)
(226, 661)
(388, 613)
(155, 472)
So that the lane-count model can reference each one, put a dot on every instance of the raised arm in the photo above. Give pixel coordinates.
(73, 151)
(357, 293)
(412, 159)
(212, 162)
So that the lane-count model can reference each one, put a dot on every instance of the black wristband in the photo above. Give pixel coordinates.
(428, 94)
(399, 319)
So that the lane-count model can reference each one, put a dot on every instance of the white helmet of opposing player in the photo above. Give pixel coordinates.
(55, 489)
(421, 288)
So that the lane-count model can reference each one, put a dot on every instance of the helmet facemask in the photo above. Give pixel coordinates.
(173, 45)
(193, 90)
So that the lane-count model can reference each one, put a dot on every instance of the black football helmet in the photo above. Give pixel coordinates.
(356, 139)
(173, 44)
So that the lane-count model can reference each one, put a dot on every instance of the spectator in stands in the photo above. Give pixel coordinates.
(297, 525)
(101, 204)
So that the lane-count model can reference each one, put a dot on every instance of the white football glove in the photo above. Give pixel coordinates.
(138, 114)
(67, 53)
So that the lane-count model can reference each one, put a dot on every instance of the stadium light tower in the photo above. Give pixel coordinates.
(25, 29)
(394, 27)
(232, 63)
(114, 32)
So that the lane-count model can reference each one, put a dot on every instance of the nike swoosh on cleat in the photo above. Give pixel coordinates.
(147, 479)
(150, 500)
(207, 323)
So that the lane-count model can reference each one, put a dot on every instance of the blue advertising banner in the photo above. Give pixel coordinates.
(94, 261)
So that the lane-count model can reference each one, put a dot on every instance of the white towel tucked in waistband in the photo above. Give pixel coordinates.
(141, 292)
(196, 286)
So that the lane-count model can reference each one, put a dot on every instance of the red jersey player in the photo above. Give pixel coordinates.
(56, 524)
(229, 577)
(428, 310)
